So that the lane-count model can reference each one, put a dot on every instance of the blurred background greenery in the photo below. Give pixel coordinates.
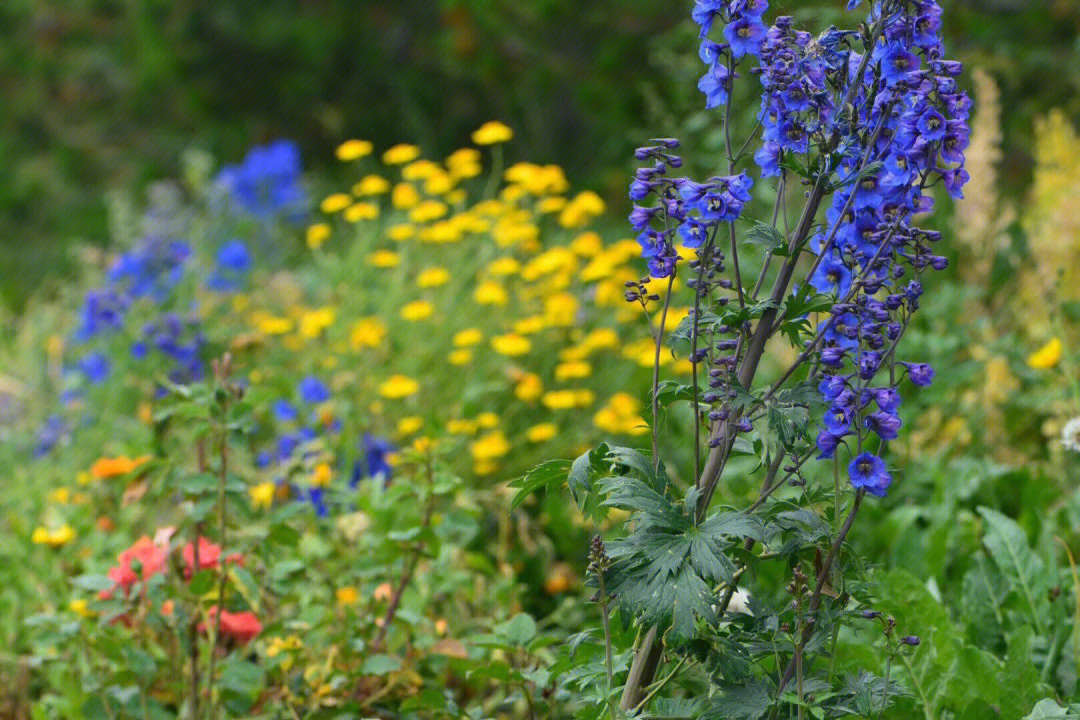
(106, 94)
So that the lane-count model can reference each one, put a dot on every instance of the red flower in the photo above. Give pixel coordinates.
(241, 626)
(209, 555)
(151, 557)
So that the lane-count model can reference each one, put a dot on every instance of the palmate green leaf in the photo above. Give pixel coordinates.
(764, 236)
(1027, 574)
(549, 475)
(1048, 708)
(745, 701)
(634, 494)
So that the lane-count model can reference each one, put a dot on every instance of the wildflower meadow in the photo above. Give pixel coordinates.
(773, 414)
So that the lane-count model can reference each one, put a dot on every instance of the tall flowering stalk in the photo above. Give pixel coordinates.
(868, 123)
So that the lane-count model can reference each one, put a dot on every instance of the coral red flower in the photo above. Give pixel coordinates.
(151, 558)
(241, 626)
(209, 556)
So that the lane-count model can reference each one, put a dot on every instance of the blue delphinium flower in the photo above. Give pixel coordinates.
(868, 471)
(233, 261)
(267, 182)
(95, 366)
(312, 390)
(744, 35)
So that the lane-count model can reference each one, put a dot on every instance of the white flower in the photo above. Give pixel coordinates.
(1070, 435)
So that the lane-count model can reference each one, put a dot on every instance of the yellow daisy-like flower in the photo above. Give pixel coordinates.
(60, 496)
(401, 154)
(321, 475)
(313, 322)
(367, 332)
(353, 150)
(587, 244)
(490, 293)
(504, 266)
(262, 495)
(54, 537)
(347, 595)
(1047, 356)
(468, 337)
(427, 211)
(418, 310)
(559, 399)
(398, 386)
(530, 325)
(487, 420)
(529, 387)
(459, 357)
(384, 259)
(335, 203)
(511, 344)
(541, 432)
(361, 211)
(371, 185)
(620, 415)
(461, 426)
(80, 607)
(420, 170)
(409, 425)
(433, 277)
(491, 133)
(489, 447)
(399, 233)
(316, 235)
(404, 196)
(439, 183)
(572, 370)
(271, 324)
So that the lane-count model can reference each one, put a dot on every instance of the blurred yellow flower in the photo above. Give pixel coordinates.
(313, 322)
(461, 427)
(581, 209)
(404, 196)
(572, 370)
(80, 607)
(439, 183)
(621, 415)
(60, 496)
(316, 235)
(587, 244)
(371, 185)
(361, 211)
(487, 420)
(402, 232)
(491, 133)
(367, 332)
(433, 277)
(461, 356)
(335, 203)
(1047, 356)
(321, 475)
(401, 154)
(530, 325)
(384, 259)
(529, 387)
(353, 150)
(398, 386)
(427, 211)
(560, 399)
(541, 432)
(489, 447)
(550, 204)
(464, 163)
(262, 495)
(420, 170)
(417, 310)
(271, 324)
(347, 595)
(54, 537)
(511, 344)
(503, 266)
(468, 337)
(409, 425)
(490, 293)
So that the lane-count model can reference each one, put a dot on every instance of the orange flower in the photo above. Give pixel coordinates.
(104, 468)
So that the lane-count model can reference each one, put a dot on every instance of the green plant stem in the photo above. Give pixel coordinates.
(660, 684)
(885, 690)
(656, 376)
(605, 615)
(223, 472)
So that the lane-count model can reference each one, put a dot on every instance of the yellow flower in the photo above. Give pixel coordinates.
(404, 196)
(487, 420)
(560, 310)
(464, 163)
(398, 233)
(529, 387)
(581, 209)
(587, 244)
(490, 293)
(367, 332)
(371, 185)
(321, 475)
(1047, 356)
(398, 386)
(60, 496)
(541, 432)
(361, 211)
(456, 197)
(353, 150)
(401, 154)
(317, 234)
(417, 310)
(271, 325)
(468, 337)
(384, 259)
(572, 370)
(503, 266)
(427, 211)
(511, 344)
(347, 595)
(262, 495)
(489, 447)
(530, 325)
(439, 183)
(620, 415)
(313, 322)
(461, 427)
(461, 356)
(491, 133)
(335, 203)
(550, 205)
(559, 399)
(53, 538)
(433, 277)
(80, 607)
(420, 170)
(409, 425)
